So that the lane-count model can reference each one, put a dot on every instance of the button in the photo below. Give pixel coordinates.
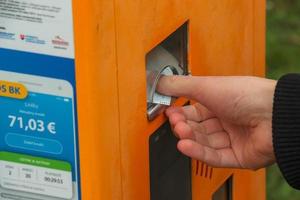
(33, 143)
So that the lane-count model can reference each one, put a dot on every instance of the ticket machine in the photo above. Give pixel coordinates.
(88, 123)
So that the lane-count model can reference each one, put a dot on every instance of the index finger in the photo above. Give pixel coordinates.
(195, 112)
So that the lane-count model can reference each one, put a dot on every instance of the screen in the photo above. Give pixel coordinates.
(38, 158)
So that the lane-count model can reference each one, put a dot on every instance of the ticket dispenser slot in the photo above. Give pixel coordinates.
(167, 58)
(170, 171)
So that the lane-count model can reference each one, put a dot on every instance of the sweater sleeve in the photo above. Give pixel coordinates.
(286, 127)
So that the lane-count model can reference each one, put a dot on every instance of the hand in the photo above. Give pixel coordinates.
(230, 126)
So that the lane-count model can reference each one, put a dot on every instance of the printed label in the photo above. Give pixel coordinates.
(37, 26)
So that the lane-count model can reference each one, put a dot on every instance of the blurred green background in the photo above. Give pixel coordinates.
(283, 56)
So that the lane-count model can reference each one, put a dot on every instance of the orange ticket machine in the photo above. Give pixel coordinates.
(92, 126)
(126, 147)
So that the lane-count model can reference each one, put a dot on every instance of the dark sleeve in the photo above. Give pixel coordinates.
(286, 127)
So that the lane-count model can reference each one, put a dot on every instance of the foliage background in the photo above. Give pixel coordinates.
(283, 56)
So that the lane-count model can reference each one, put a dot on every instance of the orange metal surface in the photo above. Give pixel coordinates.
(111, 39)
(96, 68)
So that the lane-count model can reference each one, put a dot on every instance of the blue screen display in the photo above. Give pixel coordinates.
(41, 125)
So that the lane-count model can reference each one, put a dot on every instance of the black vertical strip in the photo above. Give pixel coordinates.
(170, 171)
(202, 166)
(206, 171)
(197, 167)
(211, 173)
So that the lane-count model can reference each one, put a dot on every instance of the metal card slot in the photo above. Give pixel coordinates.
(168, 58)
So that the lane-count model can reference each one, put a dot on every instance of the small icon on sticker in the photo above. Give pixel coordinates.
(22, 36)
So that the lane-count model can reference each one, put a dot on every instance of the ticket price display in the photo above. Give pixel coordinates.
(32, 124)
(35, 175)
